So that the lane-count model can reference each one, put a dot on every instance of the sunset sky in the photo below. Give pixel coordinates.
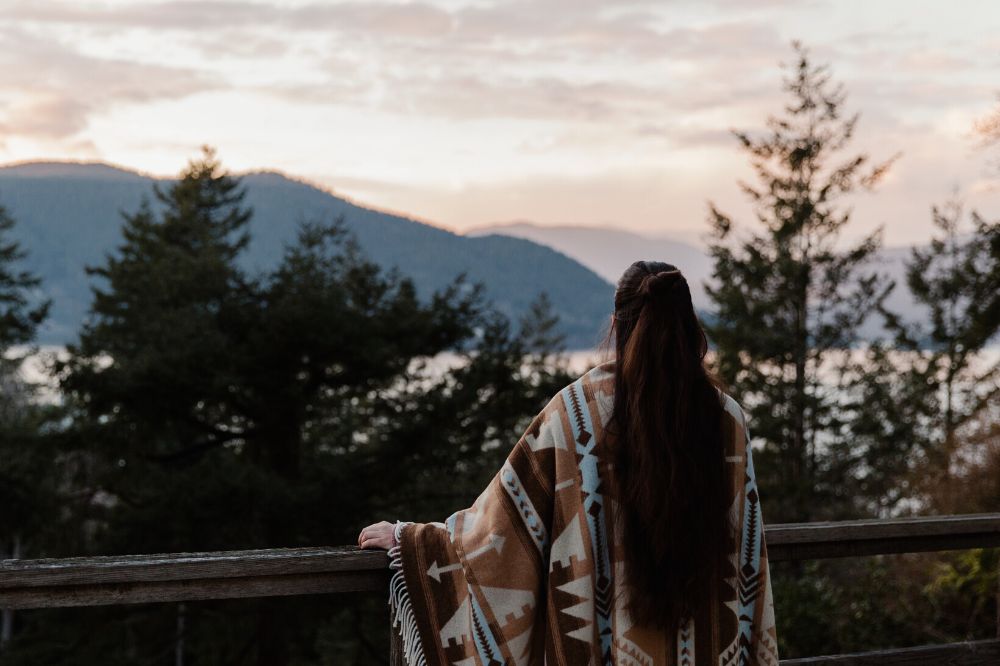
(468, 112)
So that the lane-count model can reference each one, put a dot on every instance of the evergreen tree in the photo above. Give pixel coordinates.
(28, 480)
(21, 311)
(160, 318)
(788, 301)
(957, 281)
(888, 412)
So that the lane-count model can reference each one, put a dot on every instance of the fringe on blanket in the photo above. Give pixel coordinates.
(400, 608)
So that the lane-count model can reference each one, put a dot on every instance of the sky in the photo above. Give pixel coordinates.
(468, 112)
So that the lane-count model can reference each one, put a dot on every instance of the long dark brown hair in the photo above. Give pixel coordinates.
(669, 454)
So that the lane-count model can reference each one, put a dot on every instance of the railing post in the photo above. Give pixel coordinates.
(180, 635)
(7, 614)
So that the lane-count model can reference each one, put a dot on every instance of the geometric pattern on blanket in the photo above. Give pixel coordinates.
(532, 572)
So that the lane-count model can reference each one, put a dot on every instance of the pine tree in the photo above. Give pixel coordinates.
(161, 316)
(957, 281)
(21, 311)
(28, 479)
(787, 299)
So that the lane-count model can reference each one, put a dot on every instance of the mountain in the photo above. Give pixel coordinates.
(68, 217)
(608, 252)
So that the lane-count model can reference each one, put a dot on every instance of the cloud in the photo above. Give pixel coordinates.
(238, 42)
(415, 19)
(547, 28)
(688, 137)
(506, 59)
(48, 116)
(410, 20)
(517, 97)
(503, 62)
(465, 96)
(50, 90)
(207, 15)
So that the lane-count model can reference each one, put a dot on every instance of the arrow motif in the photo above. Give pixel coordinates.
(435, 571)
(496, 542)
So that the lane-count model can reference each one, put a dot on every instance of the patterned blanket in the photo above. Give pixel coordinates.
(530, 574)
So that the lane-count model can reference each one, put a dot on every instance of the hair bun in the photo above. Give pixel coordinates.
(661, 283)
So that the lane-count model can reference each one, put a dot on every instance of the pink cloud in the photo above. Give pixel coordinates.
(50, 90)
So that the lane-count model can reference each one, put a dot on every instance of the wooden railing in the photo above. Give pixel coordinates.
(176, 577)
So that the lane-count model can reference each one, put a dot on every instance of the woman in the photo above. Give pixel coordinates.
(624, 527)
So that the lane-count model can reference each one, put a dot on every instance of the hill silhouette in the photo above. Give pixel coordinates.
(69, 216)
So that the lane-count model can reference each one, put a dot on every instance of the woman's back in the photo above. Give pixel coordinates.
(534, 572)
(740, 590)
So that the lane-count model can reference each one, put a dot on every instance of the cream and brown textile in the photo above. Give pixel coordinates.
(530, 574)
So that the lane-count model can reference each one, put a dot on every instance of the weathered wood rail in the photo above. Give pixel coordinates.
(855, 538)
(283, 572)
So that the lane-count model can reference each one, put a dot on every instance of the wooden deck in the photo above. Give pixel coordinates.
(283, 572)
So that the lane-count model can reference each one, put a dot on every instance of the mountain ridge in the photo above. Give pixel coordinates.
(67, 216)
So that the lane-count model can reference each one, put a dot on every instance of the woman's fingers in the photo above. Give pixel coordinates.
(375, 542)
(378, 535)
(378, 541)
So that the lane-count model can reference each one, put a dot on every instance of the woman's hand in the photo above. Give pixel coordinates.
(378, 535)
